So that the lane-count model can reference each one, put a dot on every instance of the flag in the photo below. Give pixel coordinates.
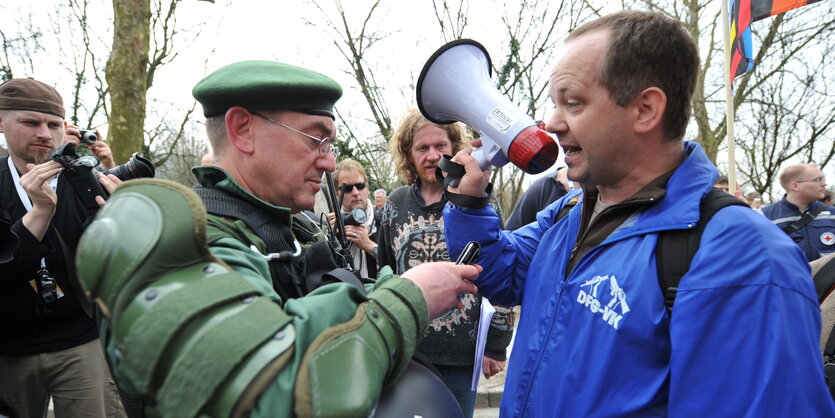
(742, 13)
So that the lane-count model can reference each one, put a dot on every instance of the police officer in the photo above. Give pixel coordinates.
(235, 317)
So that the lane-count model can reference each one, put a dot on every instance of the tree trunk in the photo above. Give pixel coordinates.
(126, 75)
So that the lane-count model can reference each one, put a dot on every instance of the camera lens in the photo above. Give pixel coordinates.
(136, 167)
(355, 217)
(88, 136)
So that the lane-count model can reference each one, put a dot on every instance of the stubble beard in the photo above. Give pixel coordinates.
(41, 157)
(427, 179)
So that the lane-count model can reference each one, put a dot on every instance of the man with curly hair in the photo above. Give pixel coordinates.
(412, 233)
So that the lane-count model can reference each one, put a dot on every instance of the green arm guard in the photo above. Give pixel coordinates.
(194, 338)
(186, 333)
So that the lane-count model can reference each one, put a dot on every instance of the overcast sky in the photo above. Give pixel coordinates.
(262, 29)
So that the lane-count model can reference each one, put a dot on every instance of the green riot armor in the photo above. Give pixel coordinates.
(182, 323)
(192, 337)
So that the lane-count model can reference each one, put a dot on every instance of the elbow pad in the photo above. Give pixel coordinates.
(186, 333)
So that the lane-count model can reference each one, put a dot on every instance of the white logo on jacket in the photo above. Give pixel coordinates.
(617, 299)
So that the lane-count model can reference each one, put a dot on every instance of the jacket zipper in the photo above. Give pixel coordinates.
(542, 352)
(563, 283)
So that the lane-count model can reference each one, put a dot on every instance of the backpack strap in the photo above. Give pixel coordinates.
(567, 208)
(807, 217)
(675, 248)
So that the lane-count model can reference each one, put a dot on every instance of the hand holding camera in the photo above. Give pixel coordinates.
(94, 142)
(356, 231)
(87, 178)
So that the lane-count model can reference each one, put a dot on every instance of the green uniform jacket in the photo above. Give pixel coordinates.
(347, 344)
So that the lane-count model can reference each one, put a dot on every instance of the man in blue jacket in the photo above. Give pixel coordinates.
(800, 214)
(595, 338)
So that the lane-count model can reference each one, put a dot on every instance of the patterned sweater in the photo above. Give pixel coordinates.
(412, 233)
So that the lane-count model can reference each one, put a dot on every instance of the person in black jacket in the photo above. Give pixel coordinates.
(48, 337)
(543, 192)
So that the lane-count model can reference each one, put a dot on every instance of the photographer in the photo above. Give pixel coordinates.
(352, 185)
(48, 338)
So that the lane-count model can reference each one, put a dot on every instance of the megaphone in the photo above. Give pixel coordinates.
(454, 85)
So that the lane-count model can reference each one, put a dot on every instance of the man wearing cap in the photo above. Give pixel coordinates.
(48, 337)
(229, 314)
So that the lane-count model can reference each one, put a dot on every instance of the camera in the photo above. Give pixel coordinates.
(88, 136)
(80, 172)
(47, 289)
(355, 217)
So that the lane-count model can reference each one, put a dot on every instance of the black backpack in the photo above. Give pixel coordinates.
(676, 248)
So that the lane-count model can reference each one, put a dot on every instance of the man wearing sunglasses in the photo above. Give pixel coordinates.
(800, 214)
(205, 318)
(360, 227)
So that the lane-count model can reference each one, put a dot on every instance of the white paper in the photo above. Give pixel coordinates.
(485, 317)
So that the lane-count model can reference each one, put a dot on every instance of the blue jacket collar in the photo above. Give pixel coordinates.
(679, 208)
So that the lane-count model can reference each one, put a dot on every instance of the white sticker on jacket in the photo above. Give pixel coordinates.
(828, 238)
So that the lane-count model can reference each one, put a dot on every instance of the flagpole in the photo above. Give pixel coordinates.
(729, 97)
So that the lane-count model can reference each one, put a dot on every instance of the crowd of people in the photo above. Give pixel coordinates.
(246, 295)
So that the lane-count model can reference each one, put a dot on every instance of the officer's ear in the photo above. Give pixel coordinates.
(239, 129)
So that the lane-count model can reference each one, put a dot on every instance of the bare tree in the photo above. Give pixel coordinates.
(353, 41)
(774, 122)
(532, 31)
(789, 113)
(145, 36)
(127, 75)
(19, 48)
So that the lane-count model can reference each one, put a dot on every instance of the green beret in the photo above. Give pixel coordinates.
(30, 94)
(267, 85)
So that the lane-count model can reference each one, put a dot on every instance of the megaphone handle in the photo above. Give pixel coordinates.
(455, 172)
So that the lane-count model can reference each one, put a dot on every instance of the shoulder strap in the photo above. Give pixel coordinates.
(675, 248)
(455, 172)
(276, 236)
(807, 217)
(825, 279)
(567, 208)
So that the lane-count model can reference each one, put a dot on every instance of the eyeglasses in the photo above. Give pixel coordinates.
(322, 144)
(819, 180)
(348, 187)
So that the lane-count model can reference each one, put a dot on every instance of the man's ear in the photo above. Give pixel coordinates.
(650, 105)
(239, 129)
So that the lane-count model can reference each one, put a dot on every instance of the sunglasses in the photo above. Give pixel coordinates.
(348, 187)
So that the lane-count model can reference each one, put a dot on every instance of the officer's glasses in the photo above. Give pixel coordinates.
(324, 145)
(818, 180)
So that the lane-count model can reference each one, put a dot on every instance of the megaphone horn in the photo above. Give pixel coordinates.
(454, 85)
